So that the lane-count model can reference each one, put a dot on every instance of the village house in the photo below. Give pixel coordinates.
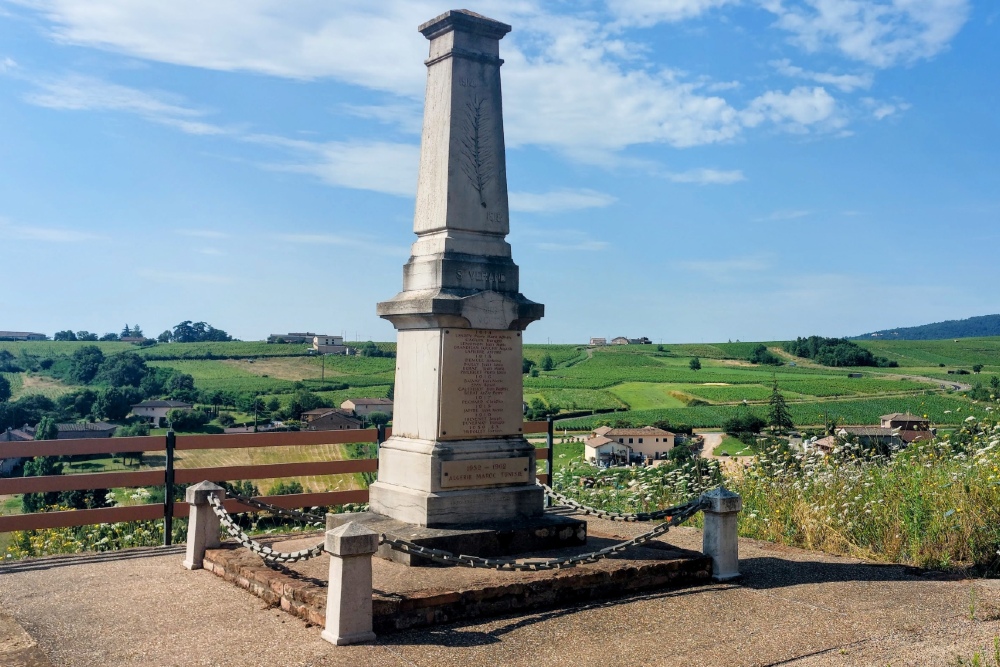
(870, 435)
(603, 451)
(598, 341)
(619, 340)
(365, 406)
(911, 428)
(82, 430)
(647, 442)
(155, 412)
(323, 344)
(329, 419)
(8, 465)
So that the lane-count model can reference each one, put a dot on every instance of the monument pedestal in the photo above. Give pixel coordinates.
(486, 539)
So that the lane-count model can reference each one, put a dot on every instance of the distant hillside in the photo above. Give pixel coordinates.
(973, 327)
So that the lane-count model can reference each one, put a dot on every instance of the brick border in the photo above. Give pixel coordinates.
(305, 597)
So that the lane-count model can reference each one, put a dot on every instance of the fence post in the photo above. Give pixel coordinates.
(203, 524)
(720, 538)
(349, 592)
(168, 491)
(379, 434)
(550, 443)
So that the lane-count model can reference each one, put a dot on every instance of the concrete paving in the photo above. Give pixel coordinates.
(793, 607)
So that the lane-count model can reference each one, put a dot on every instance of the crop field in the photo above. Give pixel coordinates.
(267, 455)
(219, 376)
(160, 351)
(580, 399)
(646, 395)
(16, 383)
(962, 352)
(940, 409)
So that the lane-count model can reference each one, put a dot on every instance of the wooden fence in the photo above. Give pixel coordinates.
(170, 475)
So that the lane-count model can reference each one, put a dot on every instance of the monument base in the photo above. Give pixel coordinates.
(440, 509)
(488, 539)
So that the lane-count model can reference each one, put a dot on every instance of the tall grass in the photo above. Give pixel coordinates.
(934, 504)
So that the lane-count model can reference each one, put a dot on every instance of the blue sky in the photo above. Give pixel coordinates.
(686, 170)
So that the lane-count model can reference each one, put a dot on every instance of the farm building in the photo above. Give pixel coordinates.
(871, 435)
(22, 335)
(619, 340)
(366, 406)
(155, 412)
(300, 337)
(622, 340)
(598, 341)
(329, 419)
(648, 441)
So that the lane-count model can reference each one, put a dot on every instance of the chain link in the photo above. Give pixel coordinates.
(265, 552)
(674, 517)
(682, 513)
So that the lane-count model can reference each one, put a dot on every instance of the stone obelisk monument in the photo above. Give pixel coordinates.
(457, 455)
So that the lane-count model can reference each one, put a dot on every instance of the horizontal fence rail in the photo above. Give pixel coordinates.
(174, 474)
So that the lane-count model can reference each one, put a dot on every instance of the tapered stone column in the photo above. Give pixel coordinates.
(457, 454)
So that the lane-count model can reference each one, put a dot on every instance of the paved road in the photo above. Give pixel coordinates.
(793, 607)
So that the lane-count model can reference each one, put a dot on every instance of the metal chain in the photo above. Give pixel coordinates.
(267, 553)
(682, 514)
(283, 511)
(611, 516)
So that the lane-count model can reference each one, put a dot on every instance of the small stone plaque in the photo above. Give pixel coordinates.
(484, 472)
(480, 384)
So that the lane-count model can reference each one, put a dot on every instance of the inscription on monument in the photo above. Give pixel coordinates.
(484, 472)
(480, 384)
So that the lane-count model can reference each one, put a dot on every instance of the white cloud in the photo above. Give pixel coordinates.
(557, 240)
(881, 110)
(386, 167)
(881, 33)
(650, 12)
(84, 93)
(10, 231)
(795, 110)
(706, 176)
(7, 64)
(784, 214)
(844, 82)
(559, 200)
(572, 83)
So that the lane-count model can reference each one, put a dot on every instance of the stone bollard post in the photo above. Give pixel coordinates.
(719, 538)
(203, 524)
(349, 595)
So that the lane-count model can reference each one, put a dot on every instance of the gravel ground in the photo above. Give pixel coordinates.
(792, 607)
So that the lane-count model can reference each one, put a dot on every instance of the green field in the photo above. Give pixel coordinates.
(638, 383)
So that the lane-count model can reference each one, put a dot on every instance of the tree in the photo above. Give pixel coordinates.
(526, 365)
(5, 392)
(164, 337)
(46, 429)
(181, 387)
(547, 363)
(85, 363)
(136, 331)
(198, 332)
(695, 364)
(762, 355)
(187, 420)
(125, 369)
(64, 335)
(109, 336)
(285, 488)
(995, 382)
(378, 418)
(778, 416)
(301, 401)
(976, 368)
(86, 336)
(115, 403)
(126, 332)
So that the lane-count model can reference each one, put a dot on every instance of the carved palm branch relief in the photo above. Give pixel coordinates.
(477, 154)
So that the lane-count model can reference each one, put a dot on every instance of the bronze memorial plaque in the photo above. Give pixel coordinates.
(484, 472)
(480, 384)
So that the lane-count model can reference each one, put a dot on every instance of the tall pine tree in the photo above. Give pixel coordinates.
(778, 416)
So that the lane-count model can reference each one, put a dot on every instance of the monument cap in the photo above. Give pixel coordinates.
(463, 19)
